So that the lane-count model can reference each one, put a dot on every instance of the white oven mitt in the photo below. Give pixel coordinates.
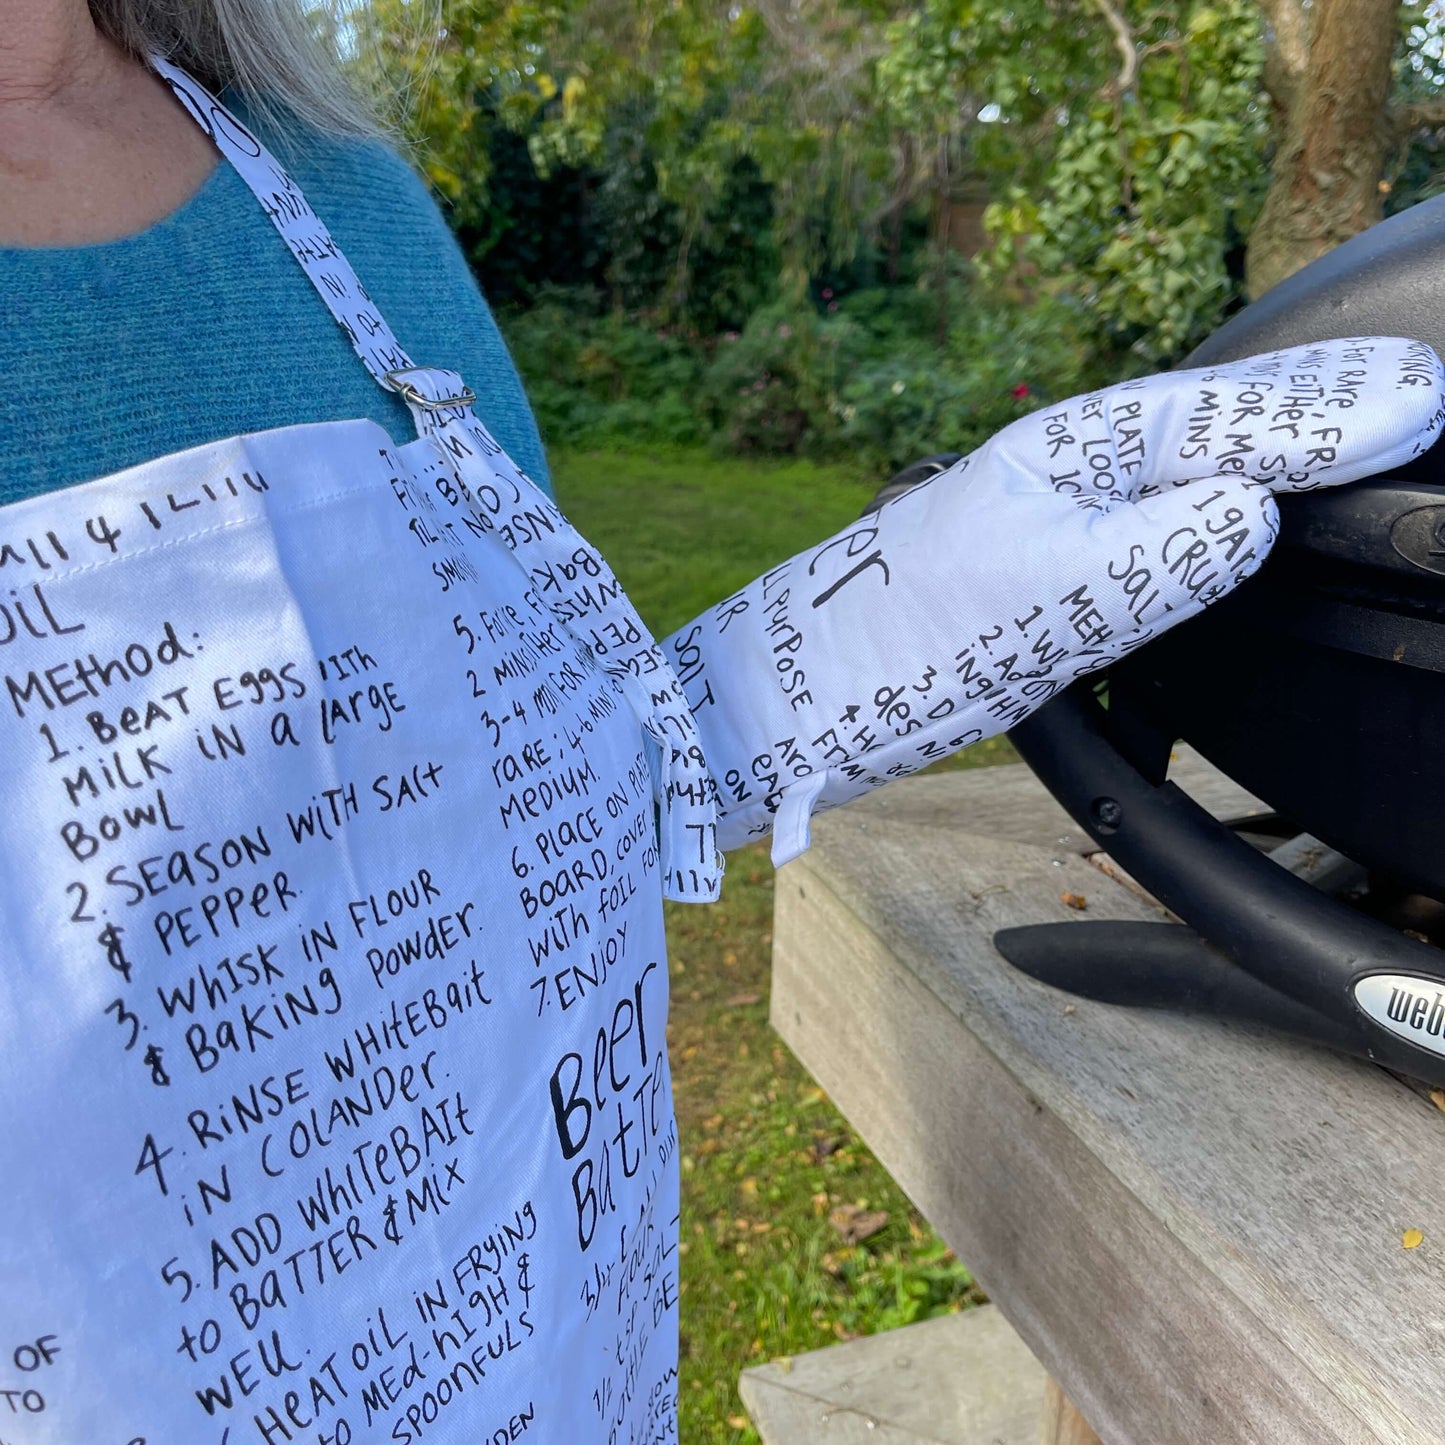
(1071, 537)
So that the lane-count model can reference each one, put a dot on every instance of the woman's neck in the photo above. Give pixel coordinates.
(92, 145)
(44, 48)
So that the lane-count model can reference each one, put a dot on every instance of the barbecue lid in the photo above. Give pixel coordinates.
(1320, 686)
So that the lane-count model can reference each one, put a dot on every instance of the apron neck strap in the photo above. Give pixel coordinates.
(549, 548)
(305, 234)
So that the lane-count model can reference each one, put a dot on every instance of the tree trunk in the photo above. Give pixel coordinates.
(1326, 182)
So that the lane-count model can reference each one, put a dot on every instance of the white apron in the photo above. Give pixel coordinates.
(333, 988)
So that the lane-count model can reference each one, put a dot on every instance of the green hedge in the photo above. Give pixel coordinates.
(861, 377)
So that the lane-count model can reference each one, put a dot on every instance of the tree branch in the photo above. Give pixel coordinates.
(1162, 47)
(1422, 115)
(1128, 75)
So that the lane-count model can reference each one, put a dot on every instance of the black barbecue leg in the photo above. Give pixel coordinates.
(1160, 965)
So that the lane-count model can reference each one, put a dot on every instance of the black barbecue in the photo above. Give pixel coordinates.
(1320, 687)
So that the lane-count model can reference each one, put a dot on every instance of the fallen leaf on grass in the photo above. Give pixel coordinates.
(737, 1422)
(1074, 900)
(785, 1364)
(742, 1000)
(1411, 1239)
(854, 1225)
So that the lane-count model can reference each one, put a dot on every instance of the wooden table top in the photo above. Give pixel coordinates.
(1196, 1226)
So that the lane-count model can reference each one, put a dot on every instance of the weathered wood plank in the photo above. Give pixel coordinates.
(965, 1379)
(1195, 1226)
(1062, 1423)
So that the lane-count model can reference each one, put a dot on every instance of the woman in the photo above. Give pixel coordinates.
(346, 784)
(132, 207)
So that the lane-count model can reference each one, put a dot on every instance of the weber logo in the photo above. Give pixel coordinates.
(1419, 537)
(1413, 1008)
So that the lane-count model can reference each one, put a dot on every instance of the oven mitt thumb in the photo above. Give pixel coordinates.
(1068, 539)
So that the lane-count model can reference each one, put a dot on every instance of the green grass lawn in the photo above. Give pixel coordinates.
(775, 1184)
(684, 529)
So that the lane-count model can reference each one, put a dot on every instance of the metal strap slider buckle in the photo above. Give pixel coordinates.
(414, 396)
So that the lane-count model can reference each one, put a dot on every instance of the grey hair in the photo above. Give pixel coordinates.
(285, 64)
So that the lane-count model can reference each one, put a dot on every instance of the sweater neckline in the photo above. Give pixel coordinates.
(158, 232)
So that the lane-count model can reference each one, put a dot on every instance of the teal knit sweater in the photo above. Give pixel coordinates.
(204, 326)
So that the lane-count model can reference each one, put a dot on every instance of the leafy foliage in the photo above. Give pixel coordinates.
(1131, 175)
(708, 172)
(701, 160)
(865, 380)
(905, 397)
(598, 378)
(774, 388)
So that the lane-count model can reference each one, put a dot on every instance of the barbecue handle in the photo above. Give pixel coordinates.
(1291, 937)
